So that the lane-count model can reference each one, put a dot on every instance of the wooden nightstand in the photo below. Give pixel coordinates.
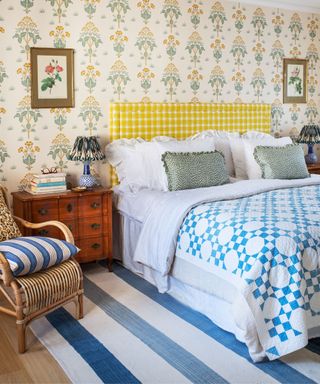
(88, 215)
(314, 168)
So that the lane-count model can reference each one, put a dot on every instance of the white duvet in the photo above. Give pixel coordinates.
(165, 212)
(162, 219)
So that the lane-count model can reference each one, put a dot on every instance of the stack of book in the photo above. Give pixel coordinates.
(52, 182)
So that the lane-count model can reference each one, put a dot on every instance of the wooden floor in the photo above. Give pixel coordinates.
(34, 366)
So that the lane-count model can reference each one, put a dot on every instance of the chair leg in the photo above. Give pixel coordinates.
(80, 306)
(21, 325)
(21, 331)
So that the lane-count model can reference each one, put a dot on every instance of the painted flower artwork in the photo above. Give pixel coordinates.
(295, 80)
(53, 71)
(52, 76)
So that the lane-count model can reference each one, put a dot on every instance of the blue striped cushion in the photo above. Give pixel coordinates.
(35, 253)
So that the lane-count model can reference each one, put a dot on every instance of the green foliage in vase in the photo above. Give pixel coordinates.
(27, 4)
(118, 8)
(59, 7)
(26, 34)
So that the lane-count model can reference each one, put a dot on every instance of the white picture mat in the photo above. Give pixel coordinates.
(60, 89)
(291, 90)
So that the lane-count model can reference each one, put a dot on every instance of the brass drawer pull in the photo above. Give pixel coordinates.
(43, 232)
(69, 207)
(95, 205)
(95, 226)
(96, 246)
(43, 211)
(70, 227)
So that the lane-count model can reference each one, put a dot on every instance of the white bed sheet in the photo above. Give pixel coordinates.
(233, 315)
(222, 293)
(132, 211)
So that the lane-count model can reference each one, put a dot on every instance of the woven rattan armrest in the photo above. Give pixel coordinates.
(6, 273)
(63, 228)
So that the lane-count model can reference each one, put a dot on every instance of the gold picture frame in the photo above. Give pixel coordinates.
(52, 77)
(295, 81)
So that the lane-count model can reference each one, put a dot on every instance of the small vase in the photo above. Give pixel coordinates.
(311, 157)
(86, 179)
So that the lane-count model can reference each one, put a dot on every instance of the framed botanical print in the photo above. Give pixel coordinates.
(52, 78)
(295, 81)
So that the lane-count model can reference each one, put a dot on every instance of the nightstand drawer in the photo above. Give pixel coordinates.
(48, 232)
(44, 210)
(72, 225)
(91, 206)
(67, 208)
(91, 226)
(91, 249)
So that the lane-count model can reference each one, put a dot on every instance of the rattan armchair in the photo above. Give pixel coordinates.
(37, 294)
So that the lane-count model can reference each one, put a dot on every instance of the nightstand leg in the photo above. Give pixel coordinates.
(109, 263)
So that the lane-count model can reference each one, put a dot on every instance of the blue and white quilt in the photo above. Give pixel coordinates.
(272, 242)
(266, 239)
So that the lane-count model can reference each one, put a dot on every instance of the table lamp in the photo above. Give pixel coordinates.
(310, 134)
(86, 149)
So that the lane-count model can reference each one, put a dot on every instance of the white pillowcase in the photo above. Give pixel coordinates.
(256, 135)
(252, 167)
(123, 156)
(221, 141)
(151, 152)
(138, 162)
(242, 152)
(163, 139)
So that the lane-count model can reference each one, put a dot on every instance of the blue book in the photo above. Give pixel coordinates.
(50, 184)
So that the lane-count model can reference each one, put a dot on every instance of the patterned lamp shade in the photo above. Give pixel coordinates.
(86, 148)
(310, 134)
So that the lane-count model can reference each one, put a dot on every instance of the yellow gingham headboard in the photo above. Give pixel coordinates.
(180, 120)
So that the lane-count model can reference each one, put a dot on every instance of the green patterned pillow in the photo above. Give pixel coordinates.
(281, 162)
(194, 169)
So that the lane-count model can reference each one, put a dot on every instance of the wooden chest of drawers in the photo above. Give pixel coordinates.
(314, 168)
(88, 215)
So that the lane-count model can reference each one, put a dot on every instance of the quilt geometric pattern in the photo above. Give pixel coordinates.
(272, 242)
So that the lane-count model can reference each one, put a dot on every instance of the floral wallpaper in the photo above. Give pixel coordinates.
(143, 50)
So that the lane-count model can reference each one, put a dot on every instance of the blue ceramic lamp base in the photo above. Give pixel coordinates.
(87, 180)
(311, 157)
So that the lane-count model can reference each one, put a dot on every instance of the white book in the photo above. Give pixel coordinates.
(45, 192)
(48, 175)
(39, 180)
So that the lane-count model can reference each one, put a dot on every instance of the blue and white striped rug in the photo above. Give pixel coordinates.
(131, 334)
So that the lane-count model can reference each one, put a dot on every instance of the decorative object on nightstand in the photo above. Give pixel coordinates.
(88, 215)
(310, 134)
(86, 149)
(48, 181)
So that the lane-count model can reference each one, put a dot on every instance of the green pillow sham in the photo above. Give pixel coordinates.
(285, 162)
(191, 170)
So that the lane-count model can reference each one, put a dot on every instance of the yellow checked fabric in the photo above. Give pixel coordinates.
(181, 120)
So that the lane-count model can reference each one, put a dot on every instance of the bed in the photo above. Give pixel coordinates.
(272, 305)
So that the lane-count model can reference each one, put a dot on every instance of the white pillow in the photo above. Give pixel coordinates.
(252, 167)
(123, 156)
(256, 135)
(243, 158)
(222, 144)
(163, 138)
(151, 152)
(238, 154)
